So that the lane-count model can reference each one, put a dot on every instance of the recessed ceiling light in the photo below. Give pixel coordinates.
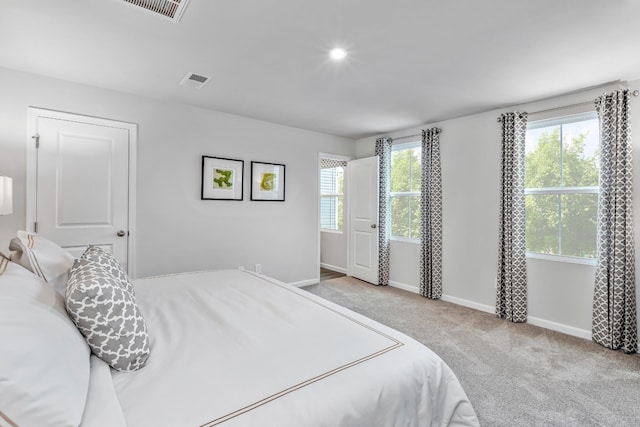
(337, 53)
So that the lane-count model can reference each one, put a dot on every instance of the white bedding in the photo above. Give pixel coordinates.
(233, 348)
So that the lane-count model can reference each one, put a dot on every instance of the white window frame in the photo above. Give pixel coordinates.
(400, 147)
(561, 120)
(327, 195)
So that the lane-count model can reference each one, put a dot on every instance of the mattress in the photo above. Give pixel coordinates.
(233, 348)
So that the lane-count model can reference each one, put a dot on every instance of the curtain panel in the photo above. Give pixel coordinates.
(511, 294)
(614, 323)
(383, 151)
(431, 216)
(328, 163)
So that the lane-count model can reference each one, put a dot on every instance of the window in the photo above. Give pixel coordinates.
(561, 186)
(405, 190)
(332, 194)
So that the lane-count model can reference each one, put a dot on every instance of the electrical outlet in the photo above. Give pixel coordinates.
(495, 283)
(258, 268)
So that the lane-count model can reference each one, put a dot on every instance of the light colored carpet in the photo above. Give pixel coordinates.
(514, 374)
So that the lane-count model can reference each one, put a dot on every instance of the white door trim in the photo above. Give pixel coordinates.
(32, 114)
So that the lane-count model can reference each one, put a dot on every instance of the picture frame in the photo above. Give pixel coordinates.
(267, 182)
(222, 179)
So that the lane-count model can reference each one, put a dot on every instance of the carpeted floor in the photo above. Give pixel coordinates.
(514, 374)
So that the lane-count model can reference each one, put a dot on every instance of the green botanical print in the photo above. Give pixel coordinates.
(268, 181)
(222, 178)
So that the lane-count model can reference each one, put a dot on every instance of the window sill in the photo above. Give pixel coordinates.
(562, 258)
(324, 230)
(405, 240)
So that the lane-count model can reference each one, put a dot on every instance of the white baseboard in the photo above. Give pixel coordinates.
(404, 287)
(559, 327)
(454, 300)
(306, 282)
(470, 304)
(536, 321)
(333, 268)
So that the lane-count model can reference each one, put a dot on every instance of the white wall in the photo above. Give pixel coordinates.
(176, 231)
(333, 250)
(560, 294)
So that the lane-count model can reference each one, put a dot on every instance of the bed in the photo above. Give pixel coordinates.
(229, 348)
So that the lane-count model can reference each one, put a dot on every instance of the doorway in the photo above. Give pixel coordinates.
(333, 219)
(348, 201)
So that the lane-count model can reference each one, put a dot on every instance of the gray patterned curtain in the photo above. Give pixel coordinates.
(511, 295)
(383, 151)
(614, 300)
(328, 163)
(431, 216)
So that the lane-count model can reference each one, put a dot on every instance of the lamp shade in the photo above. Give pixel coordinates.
(6, 195)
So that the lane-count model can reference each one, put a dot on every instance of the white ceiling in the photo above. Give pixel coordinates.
(410, 62)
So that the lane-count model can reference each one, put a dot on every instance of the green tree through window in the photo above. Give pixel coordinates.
(405, 191)
(561, 186)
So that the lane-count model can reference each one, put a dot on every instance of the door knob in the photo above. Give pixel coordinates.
(373, 226)
(121, 233)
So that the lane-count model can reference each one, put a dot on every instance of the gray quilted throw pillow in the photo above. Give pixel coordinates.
(107, 315)
(109, 263)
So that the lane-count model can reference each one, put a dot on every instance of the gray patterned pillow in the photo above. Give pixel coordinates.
(107, 315)
(109, 263)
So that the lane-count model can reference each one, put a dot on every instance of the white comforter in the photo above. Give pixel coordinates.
(233, 348)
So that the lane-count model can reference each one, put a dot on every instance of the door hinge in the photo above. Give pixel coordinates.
(35, 227)
(37, 138)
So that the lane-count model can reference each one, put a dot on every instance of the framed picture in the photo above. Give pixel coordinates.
(267, 182)
(221, 178)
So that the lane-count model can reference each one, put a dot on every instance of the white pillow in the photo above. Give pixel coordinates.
(43, 257)
(44, 360)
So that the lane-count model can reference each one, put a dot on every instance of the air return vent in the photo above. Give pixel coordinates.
(172, 9)
(194, 80)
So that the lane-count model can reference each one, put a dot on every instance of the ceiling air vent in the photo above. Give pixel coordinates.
(172, 9)
(194, 80)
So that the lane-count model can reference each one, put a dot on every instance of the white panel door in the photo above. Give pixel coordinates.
(363, 219)
(82, 182)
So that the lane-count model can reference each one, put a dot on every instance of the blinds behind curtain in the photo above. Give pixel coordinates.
(331, 193)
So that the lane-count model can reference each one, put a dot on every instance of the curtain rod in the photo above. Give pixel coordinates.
(411, 136)
(406, 136)
(564, 107)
